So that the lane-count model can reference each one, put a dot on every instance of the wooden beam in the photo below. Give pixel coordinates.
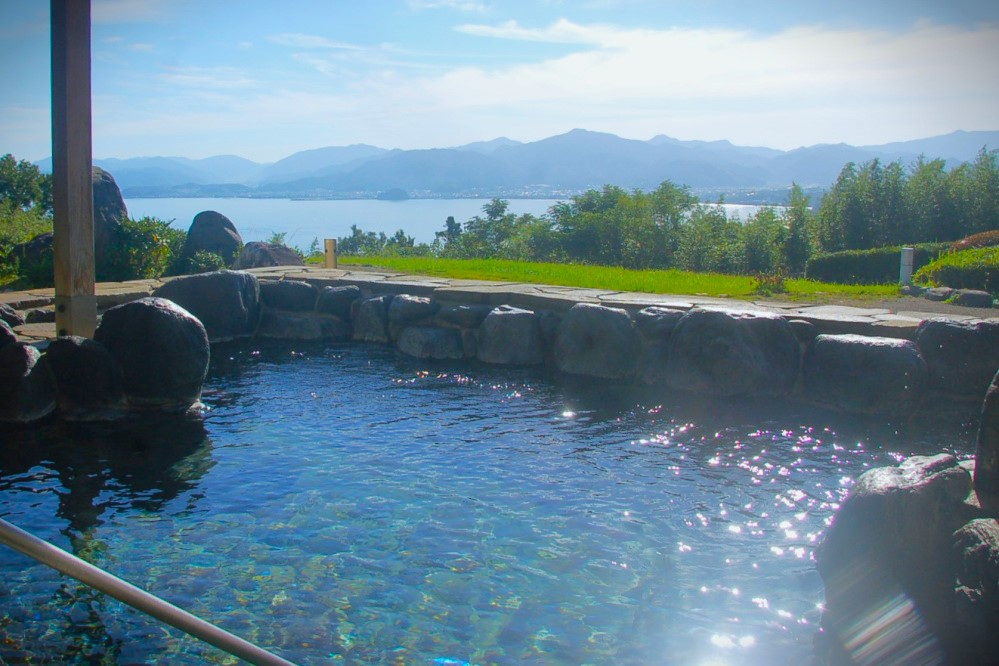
(72, 184)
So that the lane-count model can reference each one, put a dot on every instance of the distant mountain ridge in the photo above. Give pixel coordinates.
(556, 166)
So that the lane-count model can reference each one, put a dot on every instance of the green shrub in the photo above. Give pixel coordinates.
(204, 261)
(970, 269)
(142, 249)
(877, 266)
(17, 226)
(984, 239)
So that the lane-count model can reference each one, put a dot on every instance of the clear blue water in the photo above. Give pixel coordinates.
(344, 505)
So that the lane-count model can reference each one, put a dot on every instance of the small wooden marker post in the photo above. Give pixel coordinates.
(72, 178)
(330, 253)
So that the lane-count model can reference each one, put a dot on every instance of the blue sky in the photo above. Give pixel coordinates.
(263, 79)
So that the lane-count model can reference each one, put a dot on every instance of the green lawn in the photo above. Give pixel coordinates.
(614, 278)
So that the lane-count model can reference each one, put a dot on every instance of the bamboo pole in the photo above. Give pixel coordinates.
(72, 184)
(330, 253)
(139, 599)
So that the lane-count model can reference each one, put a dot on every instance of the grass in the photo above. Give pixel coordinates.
(615, 278)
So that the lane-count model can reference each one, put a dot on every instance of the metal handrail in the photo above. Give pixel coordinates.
(86, 573)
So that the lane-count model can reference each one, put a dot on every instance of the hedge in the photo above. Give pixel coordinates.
(876, 266)
(971, 269)
(984, 239)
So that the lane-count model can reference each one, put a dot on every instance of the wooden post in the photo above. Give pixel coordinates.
(72, 180)
(330, 253)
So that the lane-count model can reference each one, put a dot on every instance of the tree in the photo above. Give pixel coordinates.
(23, 185)
(797, 245)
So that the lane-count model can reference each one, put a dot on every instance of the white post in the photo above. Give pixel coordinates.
(905, 266)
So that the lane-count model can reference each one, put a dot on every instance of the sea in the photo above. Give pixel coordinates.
(302, 221)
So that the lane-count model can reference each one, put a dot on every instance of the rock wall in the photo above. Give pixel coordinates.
(710, 350)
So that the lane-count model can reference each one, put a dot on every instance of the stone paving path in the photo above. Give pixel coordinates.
(882, 321)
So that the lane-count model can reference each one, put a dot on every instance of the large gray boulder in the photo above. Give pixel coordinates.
(88, 380)
(289, 325)
(7, 335)
(162, 350)
(596, 341)
(463, 316)
(987, 450)
(212, 231)
(27, 392)
(510, 336)
(886, 561)
(864, 375)
(370, 319)
(961, 357)
(430, 342)
(109, 211)
(972, 298)
(11, 316)
(976, 593)
(656, 325)
(406, 309)
(733, 353)
(291, 295)
(338, 301)
(226, 302)
(264, 255)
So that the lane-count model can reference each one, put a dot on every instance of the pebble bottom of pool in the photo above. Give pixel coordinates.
(344, 505)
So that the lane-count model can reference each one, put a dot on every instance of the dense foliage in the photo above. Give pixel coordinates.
(25, 210)
(878, 205)
(144, 248)
(968, 269)
(140, 248)
(663, 229)
(872, 206)
(879, 265)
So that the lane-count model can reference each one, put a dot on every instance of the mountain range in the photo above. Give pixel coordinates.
(556, 166)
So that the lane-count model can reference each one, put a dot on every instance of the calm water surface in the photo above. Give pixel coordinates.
(258, 219)
(342, 505)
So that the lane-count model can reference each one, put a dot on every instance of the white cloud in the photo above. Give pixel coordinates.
(303, 41)
(457, 5)
(703, 74)
(126, 11)
(208, 78)
(804, 85)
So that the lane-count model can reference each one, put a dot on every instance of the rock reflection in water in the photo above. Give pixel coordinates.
(92, 469)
